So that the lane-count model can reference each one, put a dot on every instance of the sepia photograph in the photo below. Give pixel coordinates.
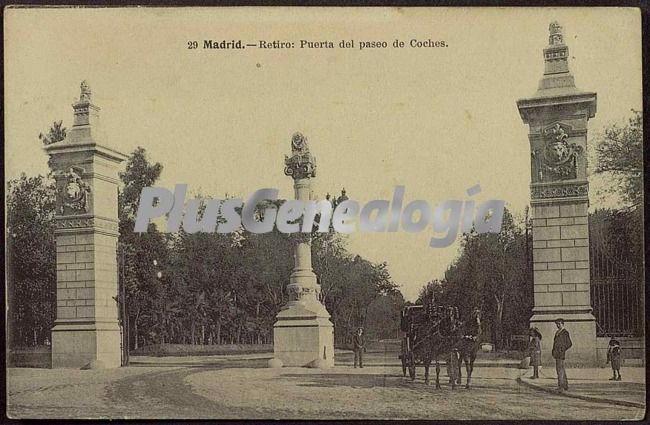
(280, 213)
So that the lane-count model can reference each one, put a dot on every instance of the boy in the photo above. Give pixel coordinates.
(614, 356)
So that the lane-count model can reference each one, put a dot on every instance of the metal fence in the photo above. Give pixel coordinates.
(617, 284)
(618, 307)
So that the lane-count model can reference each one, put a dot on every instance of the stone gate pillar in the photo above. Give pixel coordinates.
(86, 327)
(303, 332)
(557, 116)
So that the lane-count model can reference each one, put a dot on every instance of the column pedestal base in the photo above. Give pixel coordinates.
(581, 325)
(303, 333)
(75, 344)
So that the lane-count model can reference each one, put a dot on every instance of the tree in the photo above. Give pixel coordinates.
(492, 273)
(383, 316)
(56, 133)
(187, 288)
(328, 249)
(351, 284)
(31, 259)
(139, 250)
(431, 290)
(619, 153)
(206, 271)
(139, 173)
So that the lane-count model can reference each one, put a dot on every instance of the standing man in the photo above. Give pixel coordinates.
(359, 347)
(561, 344)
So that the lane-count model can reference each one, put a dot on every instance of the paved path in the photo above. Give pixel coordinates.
(217, 387)
(593, 384)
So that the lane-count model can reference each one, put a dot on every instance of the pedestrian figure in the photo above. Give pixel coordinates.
(614, 356)
(359, 348)
(561, 343)
(535, 351)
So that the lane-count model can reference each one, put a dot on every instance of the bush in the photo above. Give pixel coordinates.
(38, 356)
(162, 350)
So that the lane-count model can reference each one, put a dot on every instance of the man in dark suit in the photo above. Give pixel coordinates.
(359, 346)
(561, 344)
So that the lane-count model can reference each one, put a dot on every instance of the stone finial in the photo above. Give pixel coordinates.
(299, 144)
(85, 113)
(85, 92)
(556, 59)
(343, 196)
(555, 33)
(301, 164)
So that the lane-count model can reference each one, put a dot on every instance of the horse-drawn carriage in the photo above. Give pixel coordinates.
(411, 317)
(433, 332)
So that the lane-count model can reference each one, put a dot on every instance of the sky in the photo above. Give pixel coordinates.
(436, 120)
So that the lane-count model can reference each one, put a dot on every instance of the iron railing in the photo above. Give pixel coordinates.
(618, 307)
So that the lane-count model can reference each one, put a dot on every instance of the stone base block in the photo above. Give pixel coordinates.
(582, 329)
(302, 334)
(75, 344)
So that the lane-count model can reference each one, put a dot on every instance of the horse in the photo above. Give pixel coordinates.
(441, 343)
(469, 345)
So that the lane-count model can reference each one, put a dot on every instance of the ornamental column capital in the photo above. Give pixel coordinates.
(301, 164)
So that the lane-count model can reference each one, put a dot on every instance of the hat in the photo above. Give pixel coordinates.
(559, 320)
(539, 334)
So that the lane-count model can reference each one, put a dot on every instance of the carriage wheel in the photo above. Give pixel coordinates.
(411, 365)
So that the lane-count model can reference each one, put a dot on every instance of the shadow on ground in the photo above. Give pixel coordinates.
(367, 380)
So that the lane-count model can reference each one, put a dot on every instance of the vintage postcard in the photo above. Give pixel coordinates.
(324, 213)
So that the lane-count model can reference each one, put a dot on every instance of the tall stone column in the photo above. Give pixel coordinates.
(557, 115)
(86, 327)
(303, 332)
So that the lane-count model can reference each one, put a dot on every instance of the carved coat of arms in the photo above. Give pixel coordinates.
(557, 159)
(73, 193)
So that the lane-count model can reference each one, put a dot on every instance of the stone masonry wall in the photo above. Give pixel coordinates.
(561, 255)
(86, 276)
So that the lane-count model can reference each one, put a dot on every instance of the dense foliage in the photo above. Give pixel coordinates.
(201, 288)
(210, 288)
(492, 272)
(31, 260)
(56, 134)
(619, 156)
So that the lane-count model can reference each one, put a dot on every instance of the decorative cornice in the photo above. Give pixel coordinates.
(64, 147)
(559, 192)
(74, 224)
(298, 292)
(528, 106)
(101, 177)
